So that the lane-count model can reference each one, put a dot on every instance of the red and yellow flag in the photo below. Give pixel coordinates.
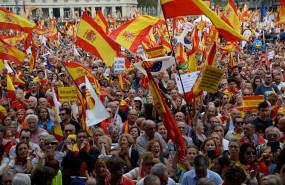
(131, 34)
(12, 40)
(165, 114)
(16, 80)
(33, 59)
(11, 92)
(39, 31)
(174, 8)
(281, 14)
(195, 41)
(101, 21)
(8, 52)
(92, 38)
(180, 54)
(230, 16)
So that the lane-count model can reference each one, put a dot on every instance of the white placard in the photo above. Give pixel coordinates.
(119, 65)
(188, 81)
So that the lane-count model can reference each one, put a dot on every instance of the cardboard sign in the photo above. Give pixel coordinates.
(251, 102)
(66, 94)
(188, 81)
(155, 52)
(211, 78)
(119, 65)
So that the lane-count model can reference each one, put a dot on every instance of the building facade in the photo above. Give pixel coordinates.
(71, 8)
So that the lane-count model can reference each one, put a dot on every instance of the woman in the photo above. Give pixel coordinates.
(162, 131)
(98, 132)
(135, 132)
(104, 144)
(4, 160)
(12, 113)
(219, 143)
(186, 162)
(22, 163)
(155, 148)
(197, 134)
(208, 148)
(126, 152)
(20, 116)
(6, 121)
(266, 156)
(256, 82)
(100, 171)
(44, 119)
(214, 120)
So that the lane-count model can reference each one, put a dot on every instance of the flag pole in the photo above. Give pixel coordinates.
(173, 54)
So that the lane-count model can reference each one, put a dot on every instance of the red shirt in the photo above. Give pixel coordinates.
(123, 181)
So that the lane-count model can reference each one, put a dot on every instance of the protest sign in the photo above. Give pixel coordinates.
(251, 102)
(155, 52)
(188, 81)
(119, 65)
(66, 94)
(211, 78)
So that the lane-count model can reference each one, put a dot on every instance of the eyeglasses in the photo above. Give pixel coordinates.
(51, 143)
(246, 94)
(239, 123)
(149, 164)
(226, 98)
(271, 135)
(120, 95)
(250, 153)
(5, 105)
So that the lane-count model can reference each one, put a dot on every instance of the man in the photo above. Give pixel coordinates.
(148, 135)
(161, 171)
(25, 136)
(131, 95)
(278, 81)
(231, 90)
(26, 77)
(152, 180)
(237, 131)
(281, 126)
(68, 129)
(43, 102)
(132, 118)
(117, 117)
(32, 102)
(32, 122)
(272, 135)
(200, 170)
(33, 87)
(42, 81)
(65, 116)
(78, 158)
(234, 113)
(266, 87)
(234, 148)
(249, 135)
(20, 102)
(116, 166)
(7, 176)
(263, 120)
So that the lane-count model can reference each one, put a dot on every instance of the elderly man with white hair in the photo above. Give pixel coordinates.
(32, 121)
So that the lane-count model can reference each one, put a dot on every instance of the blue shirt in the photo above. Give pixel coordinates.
(190, 177)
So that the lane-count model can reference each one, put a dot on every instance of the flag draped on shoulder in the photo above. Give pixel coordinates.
(174, 8)
(78, 72)
(164, 113)
(131, 34)
(230, 16)
(95, 112)
(101, 21)
(8, 52)
(93, 39)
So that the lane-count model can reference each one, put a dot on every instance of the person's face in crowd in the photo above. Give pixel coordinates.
(210, 145)
(43, 102)
(162, 131)
(182, 127)
(12, 113)
(19, 94)
(253, 115)
(102, 142)
(200, 128)
(149, 99)
(250, 155)
(140, 93)
(119, 95)
(219, 129)
(68, 129)
(32, 124)
(239, 123)
(26, 74)
(235, 71)
(174, 94)
(148, 164)
(216, 167)
(257, 82)
(124, 142)
(20, 114)
(54, 77)
(232, 85)
(32, 103)
(132, 93)
(25, 137)
(267, 79)
(33, 87)
(30, 112)
(170, 84)
(43, 114)
(13, 128)
(179, 116)
(267, 152)
(49, 75)
(263, 112)
(246, 92)
(277, 79)
(216, 138)
(191, 153)
(211, 111)
(150, 129)
(235, 113)
(134, 132)
(281, 125)
(81, 138)
(234, 149)
(41, 75)
(63, 115)
(178, 102)
(248, 130)
(155, 149)
(214, 120)
(56, 85)
(133, 116)
(49, 147)
(272, 136)
(201, 171)
(7, 179)
(101, 169)
(65, 105)
(23, 150)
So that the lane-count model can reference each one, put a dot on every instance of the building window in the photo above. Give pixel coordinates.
(76, 0)
(66, 1)
(55, 1)
(32, 1)
(44, 1)
(87, 0)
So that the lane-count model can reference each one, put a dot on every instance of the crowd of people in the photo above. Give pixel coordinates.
(224, 144)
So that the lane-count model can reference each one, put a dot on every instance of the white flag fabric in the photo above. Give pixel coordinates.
(160, 64)
(54, 111)
(96, 112)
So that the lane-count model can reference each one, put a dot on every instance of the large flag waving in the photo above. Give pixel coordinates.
(131, 34)
(165, 114)
(101, 21)
(10, 88)
(230, 16)
(174, 8)
(93, 39)
(95, 111)
(8, 52)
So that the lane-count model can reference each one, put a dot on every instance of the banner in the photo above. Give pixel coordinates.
(211, 78)
(251, 102)
(66, 94)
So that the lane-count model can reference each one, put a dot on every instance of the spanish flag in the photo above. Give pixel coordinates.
(92, 38)
(32, 59)
(39, 31)
(230, 16)
(101, 21)
(174, 8)
(11, 92)
(281, 14)
(12, 40)
(16, 80)
(2, 65)
(164, 42)
(195, 42)
(165, 114)
(8, 52)
(180, 54)
(131, 34)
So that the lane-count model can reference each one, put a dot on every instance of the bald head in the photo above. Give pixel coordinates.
(150, 128)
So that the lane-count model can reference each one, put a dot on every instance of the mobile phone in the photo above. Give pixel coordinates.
(274, 146)
(211, 153)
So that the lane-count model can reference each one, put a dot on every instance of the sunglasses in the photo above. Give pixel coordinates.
(5, 105)
(120, 95)
(250, 153)
(271, 135)
(51, 143)
(149, 164)
(246, 94)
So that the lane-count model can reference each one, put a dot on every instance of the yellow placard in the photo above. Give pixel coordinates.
(251, 102)
(211, 78)
(67, 94)
(155, 52)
